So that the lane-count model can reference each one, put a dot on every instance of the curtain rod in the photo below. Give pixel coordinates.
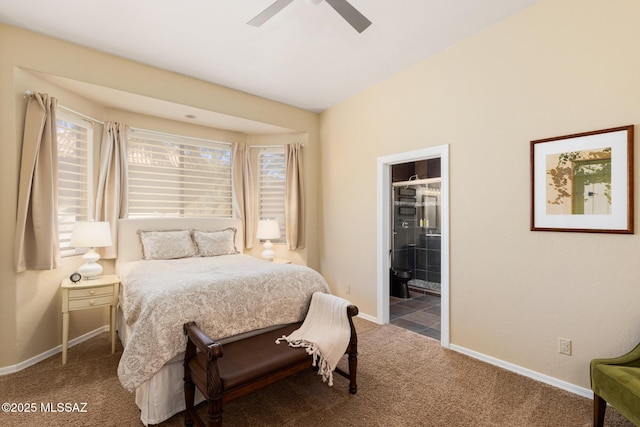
(270, 146)
(84, 116)
(30, 93)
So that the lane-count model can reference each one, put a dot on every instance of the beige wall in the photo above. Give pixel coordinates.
(557, 68)
(30, 318)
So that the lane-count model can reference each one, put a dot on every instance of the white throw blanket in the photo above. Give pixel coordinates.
(325, 333)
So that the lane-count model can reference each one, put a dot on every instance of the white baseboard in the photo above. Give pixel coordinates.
(369, 318)
(571, 388)
(32, 361)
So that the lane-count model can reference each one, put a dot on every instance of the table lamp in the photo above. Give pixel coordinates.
(268, 229)
(90, 234)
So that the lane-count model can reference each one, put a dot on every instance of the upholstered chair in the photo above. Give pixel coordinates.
(616, 381)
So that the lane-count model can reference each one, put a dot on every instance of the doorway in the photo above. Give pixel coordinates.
(413, 263)
(415, 273)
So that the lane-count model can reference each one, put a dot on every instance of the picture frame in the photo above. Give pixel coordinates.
(583, 182)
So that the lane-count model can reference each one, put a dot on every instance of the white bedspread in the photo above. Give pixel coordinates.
(225, 295)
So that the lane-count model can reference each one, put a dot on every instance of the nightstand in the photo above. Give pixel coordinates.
(89, 293)
(281, 261)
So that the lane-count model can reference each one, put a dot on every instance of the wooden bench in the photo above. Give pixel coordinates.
(248, 365)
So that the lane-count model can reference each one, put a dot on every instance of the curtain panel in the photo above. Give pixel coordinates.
(294, 197)
(242, 187)
(36, 245)
(112, 192)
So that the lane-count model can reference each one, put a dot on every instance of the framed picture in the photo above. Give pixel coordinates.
(583, 182)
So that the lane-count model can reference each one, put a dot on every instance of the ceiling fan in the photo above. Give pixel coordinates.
(350, 14)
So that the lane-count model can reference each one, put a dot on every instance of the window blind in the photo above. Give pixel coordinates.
(74, 151)
(178, 177)
(271, 182)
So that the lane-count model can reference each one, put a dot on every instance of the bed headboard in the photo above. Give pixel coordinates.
(130, 249)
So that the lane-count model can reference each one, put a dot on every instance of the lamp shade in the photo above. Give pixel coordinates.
(268, 229)
(91, 234)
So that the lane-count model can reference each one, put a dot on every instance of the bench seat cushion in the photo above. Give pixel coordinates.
(254, 357)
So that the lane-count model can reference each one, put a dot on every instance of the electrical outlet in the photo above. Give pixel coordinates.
(564, 346)
(347, 288)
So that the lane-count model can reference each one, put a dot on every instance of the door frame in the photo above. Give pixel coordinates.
(383, 244)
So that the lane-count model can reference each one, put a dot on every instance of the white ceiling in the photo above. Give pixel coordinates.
(306, 56)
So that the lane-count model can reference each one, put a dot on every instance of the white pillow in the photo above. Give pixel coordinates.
(167, 244)
(214, 243)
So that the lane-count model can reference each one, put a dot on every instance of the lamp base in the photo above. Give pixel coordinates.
(90, 269)
(268, 253)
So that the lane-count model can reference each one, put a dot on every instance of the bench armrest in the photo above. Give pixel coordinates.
(352, 310)
(197, 337)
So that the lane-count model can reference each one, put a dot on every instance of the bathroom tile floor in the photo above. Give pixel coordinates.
(420, 313)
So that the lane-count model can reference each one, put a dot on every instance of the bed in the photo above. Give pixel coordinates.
(229, 294)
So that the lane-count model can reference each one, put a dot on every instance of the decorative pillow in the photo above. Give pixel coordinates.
(167, 244)
(214, 243)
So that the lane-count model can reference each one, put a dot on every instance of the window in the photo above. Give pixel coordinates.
(178, 176)
(74, 189)
(271, 180)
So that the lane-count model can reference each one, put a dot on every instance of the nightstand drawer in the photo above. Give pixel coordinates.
(91, 292)
(90, 302)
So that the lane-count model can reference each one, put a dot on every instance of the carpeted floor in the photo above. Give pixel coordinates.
(404, 379)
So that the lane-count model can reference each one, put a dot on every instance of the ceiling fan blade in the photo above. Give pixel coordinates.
(350, 14)
(269, 12)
